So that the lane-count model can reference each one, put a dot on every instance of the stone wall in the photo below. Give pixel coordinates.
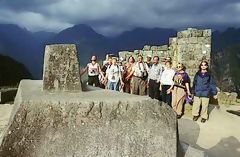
(226, 98)
(189, 47)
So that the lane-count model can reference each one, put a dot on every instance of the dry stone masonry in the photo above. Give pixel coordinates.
(189, 47)
(61, 68)
(91, 123)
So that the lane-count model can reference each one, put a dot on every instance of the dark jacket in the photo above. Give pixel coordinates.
(204, 85)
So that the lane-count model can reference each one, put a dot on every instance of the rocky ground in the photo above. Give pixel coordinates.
(218, 137)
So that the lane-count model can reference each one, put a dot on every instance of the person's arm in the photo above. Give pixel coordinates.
(172, 85)
(187, 84)
(147, 68)
(213, 87)
(160, 75)
(106, 76)
(131, 73)
(100, 71)
(83, 70)
(120, 76)
(188, 88)
(194, 84)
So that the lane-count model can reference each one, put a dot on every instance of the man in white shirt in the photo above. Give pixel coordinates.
(139, 79)
(154, 78)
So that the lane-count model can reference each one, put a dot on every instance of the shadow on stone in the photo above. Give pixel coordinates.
(227, 147)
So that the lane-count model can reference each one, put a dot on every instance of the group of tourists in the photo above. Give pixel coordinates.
(157, 80)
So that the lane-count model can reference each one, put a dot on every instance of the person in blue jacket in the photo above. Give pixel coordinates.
(203, 88)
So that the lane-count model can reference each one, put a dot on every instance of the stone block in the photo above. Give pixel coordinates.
(154, 48)
(183, 41)
(197, 33)
(61, 71)
(7, 95)
(207, 33)
(172, 41)
(162, 48)
(233, 97)
(147, 47)
(124, 54)
(92, 123)
(193, 40)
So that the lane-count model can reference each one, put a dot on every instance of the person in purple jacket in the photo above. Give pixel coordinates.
(180, 89)
(203, 87)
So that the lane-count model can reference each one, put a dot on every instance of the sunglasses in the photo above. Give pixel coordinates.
(203, 65)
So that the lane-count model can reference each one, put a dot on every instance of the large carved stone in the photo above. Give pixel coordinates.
(93, 123)
(61, 68)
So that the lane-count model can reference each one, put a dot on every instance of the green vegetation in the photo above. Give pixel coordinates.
(234, 62)
(12, 72)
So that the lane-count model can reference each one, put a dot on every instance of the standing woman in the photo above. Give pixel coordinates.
(203, 87)
(113, 76)
(180, 89)
(167, 83)
(94, 70)
(127, 77)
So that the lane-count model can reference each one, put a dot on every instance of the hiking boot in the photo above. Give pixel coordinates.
(195, 118)
(203, 120)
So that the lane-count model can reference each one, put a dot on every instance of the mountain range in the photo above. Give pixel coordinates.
(28, 47)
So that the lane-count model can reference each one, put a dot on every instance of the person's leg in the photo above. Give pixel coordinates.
(96, 81)
(164, 93)
(90, 80)
(127, 87)
(168, 96)
(116, 86)
(151, 89)
(204, 111)
(109, 85)
(135, 85)
(181, 97)
(142, 87)
(174, 99)
(156, 90)
(196, 106)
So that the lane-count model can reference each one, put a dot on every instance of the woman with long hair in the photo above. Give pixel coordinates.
(127, 77)
(180, 89)
(203, 87)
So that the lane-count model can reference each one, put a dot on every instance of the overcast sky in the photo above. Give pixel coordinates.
(114, 16)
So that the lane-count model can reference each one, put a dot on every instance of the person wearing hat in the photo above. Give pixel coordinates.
(149, 61)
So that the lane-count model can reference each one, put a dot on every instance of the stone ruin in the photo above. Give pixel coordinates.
(61, 68)
(189, 47)
(56, 117)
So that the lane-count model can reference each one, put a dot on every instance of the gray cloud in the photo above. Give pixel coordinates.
(115, 16)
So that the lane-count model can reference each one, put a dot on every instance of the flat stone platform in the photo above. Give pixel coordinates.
(94, 122)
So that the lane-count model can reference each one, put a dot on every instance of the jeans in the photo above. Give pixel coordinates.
(113, 86)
